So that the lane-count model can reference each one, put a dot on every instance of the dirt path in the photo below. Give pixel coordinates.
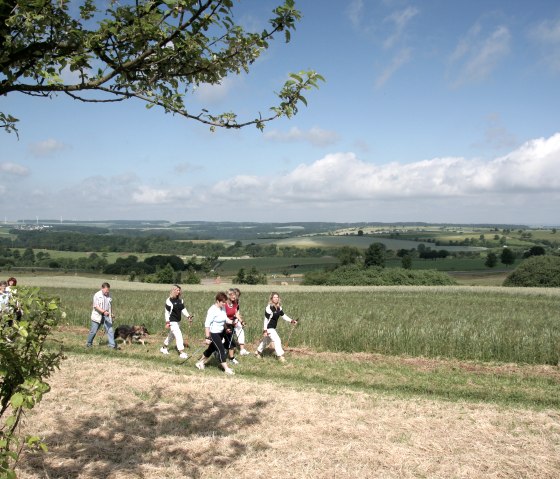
(123, 419)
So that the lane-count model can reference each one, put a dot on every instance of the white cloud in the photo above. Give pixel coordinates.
(147, 195)
(496, 136)
(400, 20)
(13, 169)
(214, 94)
(355, 12)
(46, 148)
(478, 54)
(547, 35)
(521, 186)
(533, 168)
(315, 136)
(401, 58)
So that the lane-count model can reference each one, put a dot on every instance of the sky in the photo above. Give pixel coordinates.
(439, 111)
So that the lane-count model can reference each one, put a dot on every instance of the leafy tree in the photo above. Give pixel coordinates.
(491, 260)
(254, 277)
(165, 275)
(240, 277)
(28, 257)
(406, 262)
(507, 257)
(156, 51)
(161, 260)
(347, 255)
(25, 364)
(375, 255)
(534, 251)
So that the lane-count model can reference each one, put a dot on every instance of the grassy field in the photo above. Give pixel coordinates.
(469, 323)
(384, 382)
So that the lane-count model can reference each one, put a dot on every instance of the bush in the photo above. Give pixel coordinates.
(354, 275)
(24, 366)
(536, 271)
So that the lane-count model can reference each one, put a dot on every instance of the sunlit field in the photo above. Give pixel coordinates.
(467, 323)
(408, 381)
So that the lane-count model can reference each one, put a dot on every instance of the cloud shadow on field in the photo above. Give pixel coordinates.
(188, 436)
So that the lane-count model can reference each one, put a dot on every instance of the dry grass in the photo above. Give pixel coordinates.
(126, 419)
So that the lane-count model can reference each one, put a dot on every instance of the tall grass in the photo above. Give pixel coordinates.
(461, 323)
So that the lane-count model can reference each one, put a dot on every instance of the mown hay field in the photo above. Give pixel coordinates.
(121, 419)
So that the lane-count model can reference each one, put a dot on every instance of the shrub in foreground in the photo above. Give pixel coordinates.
(25, 363)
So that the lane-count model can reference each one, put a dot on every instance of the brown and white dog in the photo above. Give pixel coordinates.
(130, 334)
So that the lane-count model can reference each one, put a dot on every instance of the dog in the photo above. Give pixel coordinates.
(130, 334)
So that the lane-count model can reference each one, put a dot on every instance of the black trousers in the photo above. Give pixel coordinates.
(216, 345)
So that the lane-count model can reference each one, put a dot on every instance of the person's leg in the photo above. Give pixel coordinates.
(200, 364)
(217, 341)
(176, 331)
(108, 325)
(240, 333)
(273, 335)
(166, 341)
(229, 344)
(92, 332)
(263, 344)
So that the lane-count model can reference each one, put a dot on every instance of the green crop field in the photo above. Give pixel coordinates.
(482, 324)
(361, 242)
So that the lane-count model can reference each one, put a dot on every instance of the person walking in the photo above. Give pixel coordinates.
(231, 309)
(12, 290)
(102, 314)
(239, 329)
(174, 308)
(4, 297)
(272, 313)
(214, 327)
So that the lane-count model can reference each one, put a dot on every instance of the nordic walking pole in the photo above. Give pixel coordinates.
(294, 324)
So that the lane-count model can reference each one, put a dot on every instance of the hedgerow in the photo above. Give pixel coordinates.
(355, 275)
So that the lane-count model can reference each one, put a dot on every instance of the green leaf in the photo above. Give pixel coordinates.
(17, 400)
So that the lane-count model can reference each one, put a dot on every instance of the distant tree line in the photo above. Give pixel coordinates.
(109, 243)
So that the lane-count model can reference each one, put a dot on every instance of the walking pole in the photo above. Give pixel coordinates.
(292, 330)
(196, 353)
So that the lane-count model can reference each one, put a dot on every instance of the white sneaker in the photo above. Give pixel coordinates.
(200, 365)
(229, 371)
(244, 352)
(234, 361)
(184, 356)
(163, 350)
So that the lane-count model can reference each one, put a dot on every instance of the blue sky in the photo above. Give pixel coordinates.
(432, 110)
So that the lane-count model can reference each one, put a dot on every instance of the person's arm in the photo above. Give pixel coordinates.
(207, 323)
(168, 307)
(185, 313)
(267, 316)
(285, 317)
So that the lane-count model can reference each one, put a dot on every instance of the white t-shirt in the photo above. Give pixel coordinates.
(215, 319)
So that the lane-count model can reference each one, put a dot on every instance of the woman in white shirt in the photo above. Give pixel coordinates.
(214, 327)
